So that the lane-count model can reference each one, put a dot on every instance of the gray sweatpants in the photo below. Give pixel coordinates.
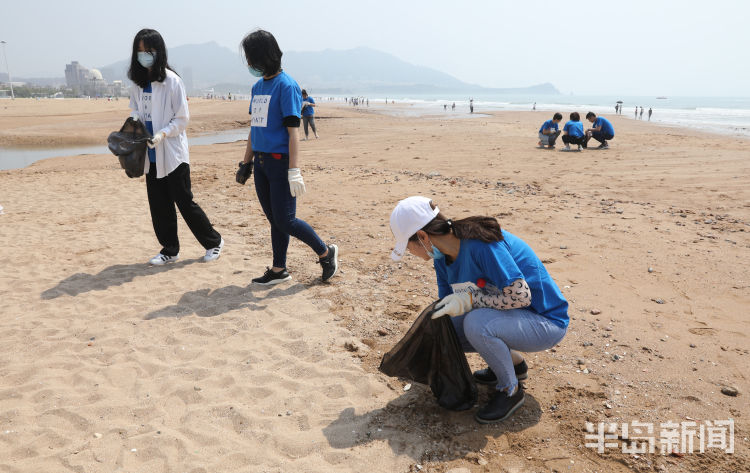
(494, 333)
(311, 121)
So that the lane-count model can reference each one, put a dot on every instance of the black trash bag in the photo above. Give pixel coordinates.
(129, 145)
(431, 354)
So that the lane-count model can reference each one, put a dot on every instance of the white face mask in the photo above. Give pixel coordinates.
(146, 59)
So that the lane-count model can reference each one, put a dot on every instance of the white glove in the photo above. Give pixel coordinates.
(296, 184)
(453, 305)
(154, 142)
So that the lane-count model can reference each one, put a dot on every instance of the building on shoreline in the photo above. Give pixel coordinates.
(85, 81)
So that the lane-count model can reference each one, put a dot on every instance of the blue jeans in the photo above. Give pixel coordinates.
(494, 333)
(272, 187)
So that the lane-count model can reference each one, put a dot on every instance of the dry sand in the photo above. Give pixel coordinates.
(110, 365)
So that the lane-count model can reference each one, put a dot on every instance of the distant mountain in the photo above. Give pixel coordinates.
(359, 70)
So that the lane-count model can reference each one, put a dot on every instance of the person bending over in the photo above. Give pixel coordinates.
(573, 132)
(526, 312)
(601, 130)
(549, 131)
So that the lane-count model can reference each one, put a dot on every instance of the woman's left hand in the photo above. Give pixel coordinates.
(154, 142)
(296, 184)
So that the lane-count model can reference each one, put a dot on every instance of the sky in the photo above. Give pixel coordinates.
(626, 47)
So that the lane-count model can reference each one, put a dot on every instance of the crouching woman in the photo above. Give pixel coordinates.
(520, 308)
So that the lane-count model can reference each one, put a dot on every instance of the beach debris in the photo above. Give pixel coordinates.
(587, 344)
(288, 413)
(97, 435)
(407, 387)
(197, 388)
(616, 357)
(595, 311)
(730, 391)
(585, 371)
(133, 450)
(1, 210)
(581, 361)
(607, 405)
(692, 345)
(563, 247)
(355, 346)
(650, 269)
(657, 300)
(433, 174)
(382, 332)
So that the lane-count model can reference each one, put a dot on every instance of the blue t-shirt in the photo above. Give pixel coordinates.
(271, 101)
(308, 111)
(147, 116)
(574, 128)
(500, 263)
(547, 125)
(607, 128)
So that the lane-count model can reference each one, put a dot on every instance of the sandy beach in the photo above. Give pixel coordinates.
(108, 364)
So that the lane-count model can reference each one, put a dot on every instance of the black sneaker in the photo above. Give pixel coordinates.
(330, 262)
(487, 376)
(271, 277)
(500, 407)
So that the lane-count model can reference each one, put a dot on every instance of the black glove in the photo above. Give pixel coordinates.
(244, 172)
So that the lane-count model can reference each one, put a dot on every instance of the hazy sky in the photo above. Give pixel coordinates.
(628, 47)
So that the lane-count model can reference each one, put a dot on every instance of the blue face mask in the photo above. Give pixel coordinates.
(435, 253)
(146, 59)
(255, 72)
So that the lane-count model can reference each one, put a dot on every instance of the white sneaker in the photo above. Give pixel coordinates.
(212, 254)
(579, 147)
(161, 259)
(567, 147)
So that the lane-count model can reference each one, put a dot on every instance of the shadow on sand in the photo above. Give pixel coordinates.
(116, 275)
(415, 425)
(208, 303)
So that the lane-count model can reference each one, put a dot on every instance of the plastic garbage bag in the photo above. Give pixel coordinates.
(431, 354)
(129, 145)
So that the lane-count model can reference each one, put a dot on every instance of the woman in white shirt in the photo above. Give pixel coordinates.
(158, 99)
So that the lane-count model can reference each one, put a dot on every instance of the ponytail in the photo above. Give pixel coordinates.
(486, 229)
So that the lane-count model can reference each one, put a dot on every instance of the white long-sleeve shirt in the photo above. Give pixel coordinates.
(169, 113)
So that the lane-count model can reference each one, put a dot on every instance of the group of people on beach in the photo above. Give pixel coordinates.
(525, 313)
(637, 115)
(573, 134)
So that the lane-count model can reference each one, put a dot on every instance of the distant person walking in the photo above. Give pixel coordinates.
(641, 115)
(471, 105)
(533, 107)
(601, 130)
(158, 100)
(636, 113)
(549, 131)
(273, 152)
(453, 107)
(308, 112)
(650, 111)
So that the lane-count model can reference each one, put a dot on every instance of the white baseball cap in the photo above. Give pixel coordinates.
(410, 215)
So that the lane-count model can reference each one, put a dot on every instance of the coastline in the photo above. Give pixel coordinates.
(192, 367)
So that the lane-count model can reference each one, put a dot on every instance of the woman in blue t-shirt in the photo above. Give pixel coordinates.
(496, 289)
(272, 150)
